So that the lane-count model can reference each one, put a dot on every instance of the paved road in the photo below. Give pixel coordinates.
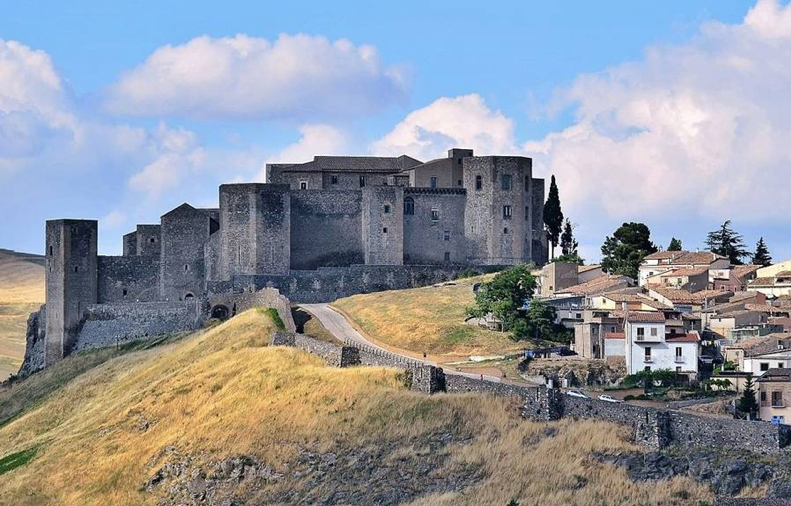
(339, 327)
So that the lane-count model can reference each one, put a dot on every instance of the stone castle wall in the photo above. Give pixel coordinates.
(128, 279)
(427, 240)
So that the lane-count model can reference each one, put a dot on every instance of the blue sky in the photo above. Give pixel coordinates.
(664, 112)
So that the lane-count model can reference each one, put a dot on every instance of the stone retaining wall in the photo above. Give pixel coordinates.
(236, 303)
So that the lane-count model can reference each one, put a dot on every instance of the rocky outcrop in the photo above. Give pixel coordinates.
(579, 372)
(34, 348)
(727, 474)
(353, 476)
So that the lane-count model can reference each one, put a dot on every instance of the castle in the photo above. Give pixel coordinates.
(320, 230)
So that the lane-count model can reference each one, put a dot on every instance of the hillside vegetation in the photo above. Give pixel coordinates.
(219, 415)
(21, 292)
(429, 319)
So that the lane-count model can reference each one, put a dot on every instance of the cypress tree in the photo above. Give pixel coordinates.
(553, 215)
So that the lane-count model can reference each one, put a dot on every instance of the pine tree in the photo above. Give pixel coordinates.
(553, 215)
(624, 251)
(725, 242)
(568, 244)
(675, 245)
(761, 256)
(747, 403)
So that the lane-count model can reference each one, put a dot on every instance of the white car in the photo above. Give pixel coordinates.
(608, 398)
(577, 393)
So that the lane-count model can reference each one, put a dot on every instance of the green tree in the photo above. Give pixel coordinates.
(505, 294)
(553, 215)
(574, 258)
(725, 242)
(624, 251)
(568, 244)
(761, 256)
(747, 402)
(675, 245)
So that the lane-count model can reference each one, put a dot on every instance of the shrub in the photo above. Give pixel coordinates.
(468, 272)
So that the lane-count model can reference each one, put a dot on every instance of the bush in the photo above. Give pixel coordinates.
(468, 272)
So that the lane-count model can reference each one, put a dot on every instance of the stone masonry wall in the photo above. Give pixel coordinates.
(235, 303)
(128, 279)
(426, 240)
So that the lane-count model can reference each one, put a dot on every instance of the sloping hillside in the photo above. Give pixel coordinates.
(219, 418)
(429, 319)
(21, 292)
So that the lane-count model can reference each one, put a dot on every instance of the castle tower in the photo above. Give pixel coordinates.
(255, 226)
(71, 281)
(501, 211)
(383, 225)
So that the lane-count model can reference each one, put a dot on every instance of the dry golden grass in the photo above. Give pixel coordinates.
(21, 292)
(221, 392)
(429, 319)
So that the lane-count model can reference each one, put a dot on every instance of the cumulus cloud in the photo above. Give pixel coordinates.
(314, 140)
(701, 129)
(464, 121)
(247, 77)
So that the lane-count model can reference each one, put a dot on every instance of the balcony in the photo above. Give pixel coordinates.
(648, 360)
(679, 360)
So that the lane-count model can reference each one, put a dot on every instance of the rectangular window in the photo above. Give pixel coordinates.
(460, 183)
(334, 179)
(303, 185)
(527, 183)
(647, 352)
(527, 213)
(409, 206)
(506, 181)
(384, 230)
(678, 368)
(447, 256)
(678, 351)
(653, 331)
(777, 399)
(446, 235)
(505, 230)
(506, 212)
(434, 214)
(640, 333)
(433, 181)
(387, 208)
(362, 181)
(764, 366)
(763, 399)
(478, 182)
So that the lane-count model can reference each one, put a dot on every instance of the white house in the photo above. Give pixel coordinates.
(648, 348)
(662, 262)
(759, 364)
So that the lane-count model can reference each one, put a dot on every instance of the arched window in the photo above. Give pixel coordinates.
(478, 182)
(409, 206)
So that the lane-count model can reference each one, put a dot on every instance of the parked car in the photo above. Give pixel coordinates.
(608, 398)
(577, 393)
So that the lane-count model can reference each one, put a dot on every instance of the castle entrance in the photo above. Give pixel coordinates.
(220, 312)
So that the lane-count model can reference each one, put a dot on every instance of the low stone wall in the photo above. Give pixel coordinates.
(370, 355)
(113, 324)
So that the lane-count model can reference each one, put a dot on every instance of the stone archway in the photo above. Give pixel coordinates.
(220, 312)
(189, 297)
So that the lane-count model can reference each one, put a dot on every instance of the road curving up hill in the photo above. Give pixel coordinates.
(219, 417)
(21, 292)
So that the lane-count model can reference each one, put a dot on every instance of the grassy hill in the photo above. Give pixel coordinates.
(219, 415)
(429, 319)
(21, 292)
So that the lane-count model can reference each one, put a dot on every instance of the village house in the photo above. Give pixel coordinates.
(774, 393)
(692, 279)
(648, 348)
(778, 284)
(757, 365)
(663, 262)
(738, 278)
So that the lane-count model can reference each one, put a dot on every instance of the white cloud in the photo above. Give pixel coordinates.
(248, 77)
(702, 129)
(463, 121)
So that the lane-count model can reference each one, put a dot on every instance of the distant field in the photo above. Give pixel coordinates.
(21, 292)
(429, 319)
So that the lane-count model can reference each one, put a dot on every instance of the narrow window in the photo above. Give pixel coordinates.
(125, 292)
(460, 182)
(506, 212)
(334, 179)
(447, 256)
(434, 214)
(506, 181)
(640, 333)
(186, 267)
(409, 206)
(447, 235)
(362, 181)
(527, 183)
(505, 230)
(76, 269)
(648, 353)
(50, 251)
(527, 213)
(387, 208)
(384, 230)
(478, 182)
(303, 185)
(433, 181)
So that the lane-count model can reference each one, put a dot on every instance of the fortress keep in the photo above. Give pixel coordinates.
(328, 228)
